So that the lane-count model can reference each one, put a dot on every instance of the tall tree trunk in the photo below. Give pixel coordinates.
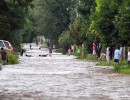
(112, 52)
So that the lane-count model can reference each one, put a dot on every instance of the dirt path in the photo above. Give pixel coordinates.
(60, 77)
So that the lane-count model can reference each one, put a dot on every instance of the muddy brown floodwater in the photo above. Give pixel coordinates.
(60, 77)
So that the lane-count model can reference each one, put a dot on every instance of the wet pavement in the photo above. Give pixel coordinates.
(60, 77)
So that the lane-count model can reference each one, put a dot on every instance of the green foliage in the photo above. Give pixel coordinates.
(122, 67)
(65, 40)
(90, 57)
(103, 62)
(27, 31)
(86, 9)
(122, 23)
(16, 39)
(53, 17)
(13, 58)
(12, 15)
(44, 46)
(75, 31)
(125, 71)
(103, 21)
(14, 21)
(80, 53)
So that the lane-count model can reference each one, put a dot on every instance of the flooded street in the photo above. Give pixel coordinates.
(60, 77)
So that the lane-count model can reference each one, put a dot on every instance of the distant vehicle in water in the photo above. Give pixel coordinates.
(6, 45)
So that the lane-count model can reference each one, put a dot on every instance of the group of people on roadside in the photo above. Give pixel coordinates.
(117, 54)
(72, 50)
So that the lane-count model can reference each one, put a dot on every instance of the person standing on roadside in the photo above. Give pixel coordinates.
(69, 52)
(94, 49)
(108, 55)
(50, 49)
(21, 52)
(3, 56)
(116, 55)
(128, 57)
(30, 47)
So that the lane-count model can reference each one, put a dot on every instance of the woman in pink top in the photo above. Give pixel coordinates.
(69, 52)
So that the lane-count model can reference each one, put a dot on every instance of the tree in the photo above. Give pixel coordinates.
(80, 28)
(103, 20)
(65, 41)
(122, 23)
(75, 29)
(12, 18)
(53, 17)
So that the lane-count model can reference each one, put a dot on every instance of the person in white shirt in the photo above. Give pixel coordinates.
(108, 55)
(128, 57)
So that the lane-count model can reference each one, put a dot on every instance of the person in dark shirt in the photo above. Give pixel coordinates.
(3, 55)
(50, 49)
(21, 52)
(30, 47)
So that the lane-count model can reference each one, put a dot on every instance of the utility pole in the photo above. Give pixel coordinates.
(78, 4)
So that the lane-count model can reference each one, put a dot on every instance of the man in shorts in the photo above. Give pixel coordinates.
(116, 55)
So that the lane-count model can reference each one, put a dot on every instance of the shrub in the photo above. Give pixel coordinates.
(12, 58)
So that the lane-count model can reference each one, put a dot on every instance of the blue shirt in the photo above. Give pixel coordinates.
(117, 54)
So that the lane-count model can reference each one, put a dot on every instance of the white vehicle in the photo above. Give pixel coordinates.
(6, 45)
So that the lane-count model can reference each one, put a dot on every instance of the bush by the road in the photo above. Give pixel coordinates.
(122, 67)
(12, 58)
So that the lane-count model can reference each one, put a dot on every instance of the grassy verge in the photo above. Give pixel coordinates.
(122, 67)
(91, 58)
(104, 63)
